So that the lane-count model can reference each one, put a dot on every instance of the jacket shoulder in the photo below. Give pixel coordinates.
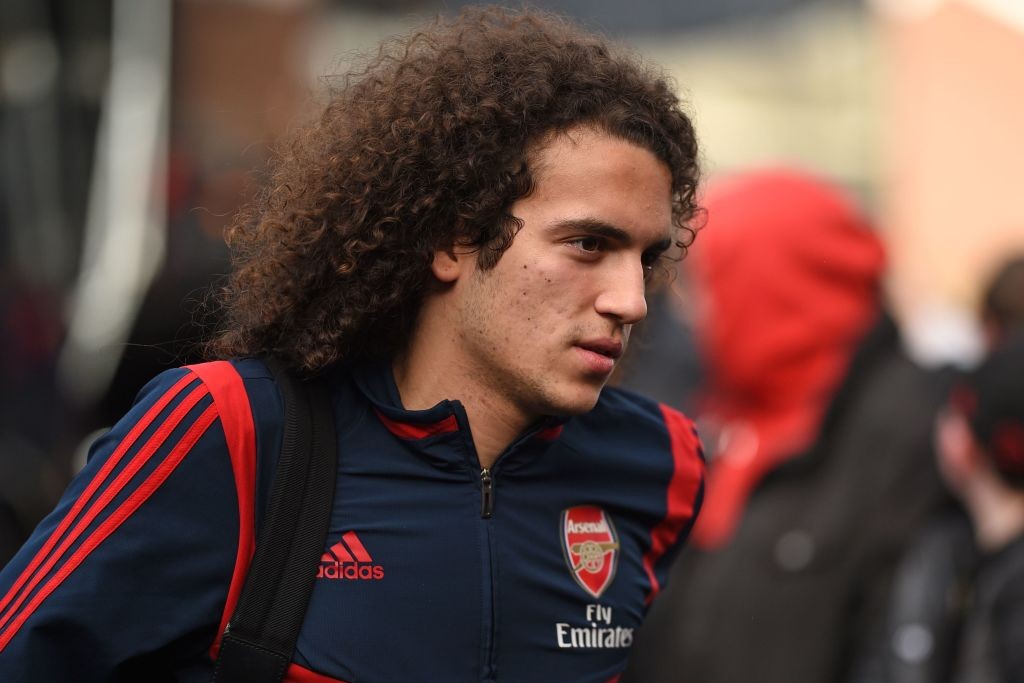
(632, 416)
(639, 439)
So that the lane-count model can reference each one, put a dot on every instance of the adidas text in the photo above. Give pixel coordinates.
(350, 571)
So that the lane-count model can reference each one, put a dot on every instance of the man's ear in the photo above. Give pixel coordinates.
(447, 264)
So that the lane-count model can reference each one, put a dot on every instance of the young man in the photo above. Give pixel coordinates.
(460, 246)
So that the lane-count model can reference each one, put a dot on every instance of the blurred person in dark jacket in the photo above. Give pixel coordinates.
(822, 464)
(957, 611)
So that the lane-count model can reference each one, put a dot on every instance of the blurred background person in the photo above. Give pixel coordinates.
(957, 610)
(817, 428)
(981, 456)
(957, 614)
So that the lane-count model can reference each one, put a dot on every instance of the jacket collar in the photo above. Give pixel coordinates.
(376, 381)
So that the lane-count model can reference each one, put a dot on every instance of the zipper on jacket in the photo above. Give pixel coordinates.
(486, 493)
(490, 619)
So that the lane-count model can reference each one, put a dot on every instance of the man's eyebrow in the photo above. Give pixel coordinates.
(593, 226)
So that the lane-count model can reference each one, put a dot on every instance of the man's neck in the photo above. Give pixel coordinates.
(425, 378)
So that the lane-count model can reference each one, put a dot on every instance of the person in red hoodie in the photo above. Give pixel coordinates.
(817, 429)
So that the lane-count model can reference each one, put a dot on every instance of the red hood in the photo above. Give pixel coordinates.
(787, 274)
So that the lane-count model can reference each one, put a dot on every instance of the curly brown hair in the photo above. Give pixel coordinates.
(427, 147)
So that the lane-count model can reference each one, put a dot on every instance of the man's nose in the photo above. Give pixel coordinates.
(624, 294)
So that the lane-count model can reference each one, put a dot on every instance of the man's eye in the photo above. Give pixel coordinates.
(650, 264)
(589, 245)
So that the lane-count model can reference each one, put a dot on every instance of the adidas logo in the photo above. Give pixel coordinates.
(348, 559)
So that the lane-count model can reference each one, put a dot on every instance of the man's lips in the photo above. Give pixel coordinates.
(600, 354)
(612, 348)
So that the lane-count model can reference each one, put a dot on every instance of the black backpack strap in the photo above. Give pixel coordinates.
(260, 638)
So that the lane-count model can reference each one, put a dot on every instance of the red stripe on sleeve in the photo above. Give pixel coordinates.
(687, 474)
(117, 517)
(232, 402)
(127, 442)
(137, 462)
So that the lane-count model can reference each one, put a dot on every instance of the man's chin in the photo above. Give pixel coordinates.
(578, 403)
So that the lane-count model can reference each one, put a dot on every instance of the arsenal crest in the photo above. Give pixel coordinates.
(590, 546)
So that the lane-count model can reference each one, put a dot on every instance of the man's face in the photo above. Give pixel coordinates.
(546, 325)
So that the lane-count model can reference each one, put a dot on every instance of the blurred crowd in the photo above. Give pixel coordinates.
(864, 516)
(863, 519)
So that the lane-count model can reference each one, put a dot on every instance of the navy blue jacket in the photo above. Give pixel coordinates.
(539, 569)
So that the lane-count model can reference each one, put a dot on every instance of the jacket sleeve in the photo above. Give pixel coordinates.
(131, 571)
(684, 496)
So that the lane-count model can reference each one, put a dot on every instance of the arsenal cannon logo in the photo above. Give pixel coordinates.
(590, 546)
